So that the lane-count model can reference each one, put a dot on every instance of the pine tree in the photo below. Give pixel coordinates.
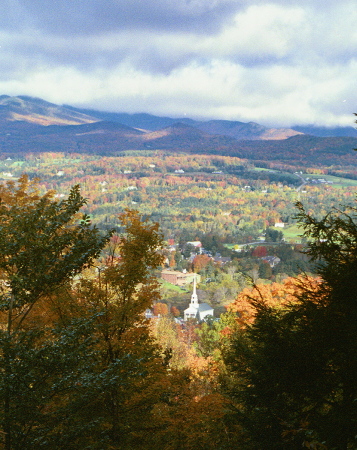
(294, 369)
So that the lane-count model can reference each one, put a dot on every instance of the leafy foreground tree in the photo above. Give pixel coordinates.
(42, 246)
(118, 391)
(74, 352)
(293, 376)
(80, 368)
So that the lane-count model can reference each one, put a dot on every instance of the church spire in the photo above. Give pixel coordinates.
(194, 298)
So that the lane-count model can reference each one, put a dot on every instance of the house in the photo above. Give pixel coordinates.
(149, 314)
(197, 310)
(178, 278)
(196, 244)
(279, 224)
(271, 260)
(218, 259)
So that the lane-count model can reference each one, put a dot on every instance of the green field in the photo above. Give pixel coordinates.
(165, 284)
(293, 232)
(337, 181)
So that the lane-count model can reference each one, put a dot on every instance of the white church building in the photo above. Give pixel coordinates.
(197, 310)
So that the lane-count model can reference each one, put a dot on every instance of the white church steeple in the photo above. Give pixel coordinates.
(194, 298)
(197, 310)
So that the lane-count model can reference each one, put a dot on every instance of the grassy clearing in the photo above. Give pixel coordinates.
(17, 163)
(337, 181)
(292, 232)
(263, 169)
(165, 284)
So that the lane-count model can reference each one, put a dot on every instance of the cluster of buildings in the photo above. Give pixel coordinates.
(196, 310)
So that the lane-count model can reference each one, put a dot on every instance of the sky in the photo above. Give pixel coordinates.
(278, 63)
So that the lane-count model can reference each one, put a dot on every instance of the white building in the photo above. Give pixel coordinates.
(279, 224)
(197, 310)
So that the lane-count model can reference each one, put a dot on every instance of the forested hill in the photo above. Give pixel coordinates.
(34, 125)
(299, 149)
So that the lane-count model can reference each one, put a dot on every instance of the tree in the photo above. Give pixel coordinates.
(43, 245)
(174, 311)
(81, 368)
(209, 334)
(200, 262)
(274, 295)
(295, 365)
(259, 251)
(160, 309)
(121, 385)
(265, 271)
(272, 235)
(188, 249)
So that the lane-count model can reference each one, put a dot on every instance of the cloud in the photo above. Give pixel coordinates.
(278, 62)
(270, 95)
(86, 17)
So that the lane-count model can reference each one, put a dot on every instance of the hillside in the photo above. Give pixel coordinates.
(327, 132)
(245, 131)
(34, 125)
(40, 112)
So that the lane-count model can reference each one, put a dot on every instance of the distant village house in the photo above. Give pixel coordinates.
(179, 278)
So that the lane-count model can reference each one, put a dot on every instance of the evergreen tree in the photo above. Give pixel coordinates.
(294, 370)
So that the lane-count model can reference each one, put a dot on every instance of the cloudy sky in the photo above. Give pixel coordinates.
(278, 62)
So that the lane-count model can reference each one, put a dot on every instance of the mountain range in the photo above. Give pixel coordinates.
(30, 124)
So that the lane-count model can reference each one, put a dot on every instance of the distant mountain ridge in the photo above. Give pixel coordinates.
(38, 111)
(34, 125)
(327, 131)
(41, 112)
(236, 129)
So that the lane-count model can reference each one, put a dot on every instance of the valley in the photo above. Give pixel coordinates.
(220, 182)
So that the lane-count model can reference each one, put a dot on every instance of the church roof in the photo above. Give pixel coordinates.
(204, 307)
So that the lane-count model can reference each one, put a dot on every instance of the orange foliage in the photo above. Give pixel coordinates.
(185, 419)
(200, 262)
(174, 311)
(274, 295)
(160, 309)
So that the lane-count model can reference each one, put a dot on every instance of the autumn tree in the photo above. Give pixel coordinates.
(259, 251)
(121, 386)
(160, 309)
(294, 367)
(43, 245)
(174, 311)
(189, 413)
(200, 262)
(80, 368)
